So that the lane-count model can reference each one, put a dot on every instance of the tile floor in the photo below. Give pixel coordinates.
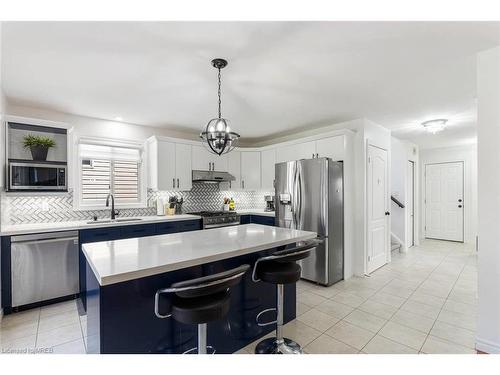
(422, 302)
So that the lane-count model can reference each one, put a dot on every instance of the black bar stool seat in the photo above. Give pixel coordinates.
(274, 272)
(201, 309)
(201, 300)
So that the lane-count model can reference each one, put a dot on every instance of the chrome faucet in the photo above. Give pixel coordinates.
(113, 212)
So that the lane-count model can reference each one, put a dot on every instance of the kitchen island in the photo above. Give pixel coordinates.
(124, 275)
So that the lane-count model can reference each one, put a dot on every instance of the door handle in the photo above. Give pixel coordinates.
(387, 213)
(313, 156)
(317, 156)
(177, 183)
(173, 182)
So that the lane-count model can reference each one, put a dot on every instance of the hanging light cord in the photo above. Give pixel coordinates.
(219, 93)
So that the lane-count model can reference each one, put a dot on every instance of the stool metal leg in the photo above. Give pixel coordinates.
(278, 344)
(202, 338)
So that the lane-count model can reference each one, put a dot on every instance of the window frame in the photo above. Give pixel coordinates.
(78, 203)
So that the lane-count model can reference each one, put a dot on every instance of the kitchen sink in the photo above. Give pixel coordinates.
(121, 220)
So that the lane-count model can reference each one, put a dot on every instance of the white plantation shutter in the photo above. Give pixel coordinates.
(96, 179)
(126, 181)
(108, 169)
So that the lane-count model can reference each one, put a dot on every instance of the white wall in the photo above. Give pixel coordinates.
(402, 152)
(467, 154)
(488, 92)
(93, 127)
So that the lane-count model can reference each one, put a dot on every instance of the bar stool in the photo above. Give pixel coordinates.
(201, 300)
(280, 268)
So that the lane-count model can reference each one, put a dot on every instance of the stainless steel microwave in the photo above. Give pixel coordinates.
(33, 176)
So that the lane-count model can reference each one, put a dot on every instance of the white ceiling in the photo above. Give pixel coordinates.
(282, 77)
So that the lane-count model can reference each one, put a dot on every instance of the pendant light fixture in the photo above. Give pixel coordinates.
(217, 136)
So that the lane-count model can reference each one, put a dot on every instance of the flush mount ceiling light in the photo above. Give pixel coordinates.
(217, 136)
(435, 126)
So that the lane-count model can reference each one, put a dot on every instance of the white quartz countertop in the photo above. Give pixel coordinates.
(129, 259)
(15, 229)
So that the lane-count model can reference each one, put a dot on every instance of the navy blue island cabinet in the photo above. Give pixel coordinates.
(121, 318)
(127, 231)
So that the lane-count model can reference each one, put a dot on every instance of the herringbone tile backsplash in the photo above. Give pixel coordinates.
(24, 209)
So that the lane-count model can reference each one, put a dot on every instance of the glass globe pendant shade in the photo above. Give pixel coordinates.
(218, 137)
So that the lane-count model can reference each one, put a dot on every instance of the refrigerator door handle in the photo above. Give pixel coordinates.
(299, 197)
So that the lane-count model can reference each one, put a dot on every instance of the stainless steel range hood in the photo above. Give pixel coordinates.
(212, 177)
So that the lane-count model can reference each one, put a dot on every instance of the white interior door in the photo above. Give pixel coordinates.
(378, 208)
(444, 201)
(410, 204)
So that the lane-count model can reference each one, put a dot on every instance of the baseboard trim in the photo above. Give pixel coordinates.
(487, 346)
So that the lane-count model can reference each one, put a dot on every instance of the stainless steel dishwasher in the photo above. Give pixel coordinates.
(44, 266)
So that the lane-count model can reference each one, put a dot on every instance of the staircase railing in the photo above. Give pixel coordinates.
(395, 200)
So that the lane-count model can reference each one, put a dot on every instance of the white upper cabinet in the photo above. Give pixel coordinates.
(332, 147)
(268, 160)
(169, 165)
(204, 160)
(250, 170)
(234, 168)
(184, 178)
(298, 151)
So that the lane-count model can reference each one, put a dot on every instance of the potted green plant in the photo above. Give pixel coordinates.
(38, 145)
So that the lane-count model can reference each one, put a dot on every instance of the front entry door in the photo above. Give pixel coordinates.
(378, 208)
(444, 201)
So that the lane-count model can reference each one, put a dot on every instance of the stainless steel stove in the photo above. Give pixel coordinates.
(217, 219)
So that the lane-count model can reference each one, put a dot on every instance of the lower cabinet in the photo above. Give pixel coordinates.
(257, 219)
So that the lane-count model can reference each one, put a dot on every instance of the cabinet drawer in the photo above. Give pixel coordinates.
(188, 225)
(166, 228)
(143, 230)
(264, 220)
(99, 234)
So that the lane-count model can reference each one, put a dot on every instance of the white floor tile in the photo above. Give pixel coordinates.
(318, 320)
(335, 309)
(59, 336)
(418, 322)
(382, 345)
(403, 335)
(350, 334)
(435, 345)
(328, 345)
(365, 320)
(72, 347)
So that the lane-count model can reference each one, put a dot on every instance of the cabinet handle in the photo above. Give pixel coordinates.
(313, 156)
(173, 183)
(177, 183)
(317, 156)
(242, 184)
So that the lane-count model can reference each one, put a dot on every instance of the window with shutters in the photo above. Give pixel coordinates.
(110, 169)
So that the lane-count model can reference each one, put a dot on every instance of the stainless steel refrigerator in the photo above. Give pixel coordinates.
(310, 196)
